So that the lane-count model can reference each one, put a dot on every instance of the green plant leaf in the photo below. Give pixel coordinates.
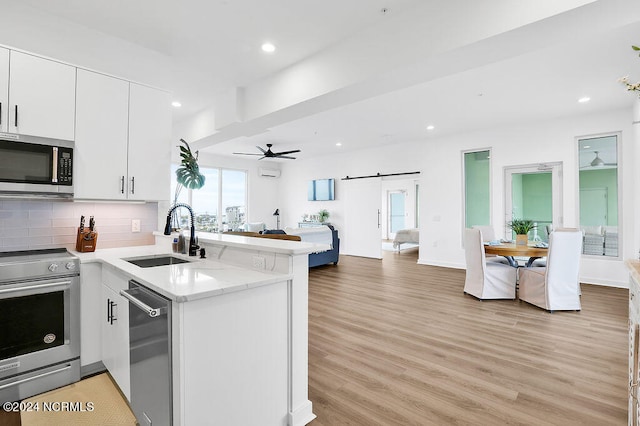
(635, 47)
(188, 174)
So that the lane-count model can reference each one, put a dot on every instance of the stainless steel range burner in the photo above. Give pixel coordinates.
(39, 322)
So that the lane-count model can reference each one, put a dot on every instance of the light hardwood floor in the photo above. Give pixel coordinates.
(396, 343)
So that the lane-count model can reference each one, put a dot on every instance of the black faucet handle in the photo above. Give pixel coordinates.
(202, 253)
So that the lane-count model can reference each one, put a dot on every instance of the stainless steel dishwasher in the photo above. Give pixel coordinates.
(150, 355)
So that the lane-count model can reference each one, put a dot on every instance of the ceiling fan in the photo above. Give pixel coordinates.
(598, 162)
(270, 154)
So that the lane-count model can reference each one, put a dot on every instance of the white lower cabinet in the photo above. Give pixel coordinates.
(634, 359)
(231, 358)
(90, 316)
(115, 330)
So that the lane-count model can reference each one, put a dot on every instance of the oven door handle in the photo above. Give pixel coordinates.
(34, 287)
(39, 376)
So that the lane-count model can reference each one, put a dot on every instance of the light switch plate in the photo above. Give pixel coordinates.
(135, 225)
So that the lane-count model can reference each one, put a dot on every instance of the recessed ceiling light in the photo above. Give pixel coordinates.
(176, 104)
(430, 127)
(268, 47)
(586, 147)
(584, 99)
(338, 143)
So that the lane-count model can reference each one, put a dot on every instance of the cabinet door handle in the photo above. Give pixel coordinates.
(16, 117)
(122, 185)
(110, 317)
(133, 184)
(0, 113)
(113, 317)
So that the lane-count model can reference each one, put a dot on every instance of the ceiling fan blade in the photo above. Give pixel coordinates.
(283, 156)
(244, 153)
(287, 152)
(261, 150)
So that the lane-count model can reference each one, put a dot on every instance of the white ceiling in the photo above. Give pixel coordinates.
(214, 45)
(542, 85)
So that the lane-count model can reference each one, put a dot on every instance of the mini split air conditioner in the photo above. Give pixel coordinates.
(269, 172)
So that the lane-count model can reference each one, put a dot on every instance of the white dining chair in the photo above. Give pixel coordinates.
(555, 287)
(488, 234)
(486, 280)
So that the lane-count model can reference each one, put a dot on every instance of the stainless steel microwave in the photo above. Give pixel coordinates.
(33, 166)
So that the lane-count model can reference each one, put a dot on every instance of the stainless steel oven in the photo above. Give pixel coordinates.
(35, 166)
(39, 322)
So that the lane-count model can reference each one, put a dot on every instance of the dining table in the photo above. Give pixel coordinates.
(533, 250)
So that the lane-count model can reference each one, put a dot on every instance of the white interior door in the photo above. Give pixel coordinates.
(362, 218)
(594, 209)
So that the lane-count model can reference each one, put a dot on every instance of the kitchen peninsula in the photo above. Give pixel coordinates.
(238, 333)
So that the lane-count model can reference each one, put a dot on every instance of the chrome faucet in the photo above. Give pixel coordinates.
(193, 244)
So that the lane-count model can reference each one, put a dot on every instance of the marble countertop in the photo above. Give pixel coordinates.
(250, 243)
(197, 279)
(634, 268)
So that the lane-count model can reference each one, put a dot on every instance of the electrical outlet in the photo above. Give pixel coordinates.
(259, 262)
(135, 225)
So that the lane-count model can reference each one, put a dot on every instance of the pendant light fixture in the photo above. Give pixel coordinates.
(597, 162)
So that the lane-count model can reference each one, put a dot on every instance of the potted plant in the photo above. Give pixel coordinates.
(521, 227)
(323, 215)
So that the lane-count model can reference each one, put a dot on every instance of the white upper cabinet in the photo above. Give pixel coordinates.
(102, 127)
(122, 148)
(149, 143)
(4, 89)
(42, 97)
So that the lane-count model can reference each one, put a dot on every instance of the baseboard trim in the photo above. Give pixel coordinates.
(302, 415)
(442, 264)
(604, 283)
(92, 369)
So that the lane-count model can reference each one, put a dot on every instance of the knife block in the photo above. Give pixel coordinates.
(86, 241)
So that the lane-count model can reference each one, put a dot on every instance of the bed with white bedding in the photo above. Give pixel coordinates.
(409, 235)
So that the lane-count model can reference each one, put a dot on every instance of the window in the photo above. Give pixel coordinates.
(598, 194)
(220, 205)
(534, 192)
(477, 191)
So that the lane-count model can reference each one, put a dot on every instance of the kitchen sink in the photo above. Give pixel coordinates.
(150, 262)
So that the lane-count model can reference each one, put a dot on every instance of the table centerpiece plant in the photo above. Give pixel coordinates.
(323, 215)
(521, 227)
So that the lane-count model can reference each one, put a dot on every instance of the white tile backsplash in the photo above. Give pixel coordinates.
(36, 224)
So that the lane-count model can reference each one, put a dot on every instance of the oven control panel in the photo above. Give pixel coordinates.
(37, 264)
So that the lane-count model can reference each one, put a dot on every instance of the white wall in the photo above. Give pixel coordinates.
(337, 165)
(27, 28)
(439, 160)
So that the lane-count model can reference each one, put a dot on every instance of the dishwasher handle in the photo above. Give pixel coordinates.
(152, 312)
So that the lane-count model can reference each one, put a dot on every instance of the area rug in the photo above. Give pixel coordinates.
(93, 401)
(386, 246)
